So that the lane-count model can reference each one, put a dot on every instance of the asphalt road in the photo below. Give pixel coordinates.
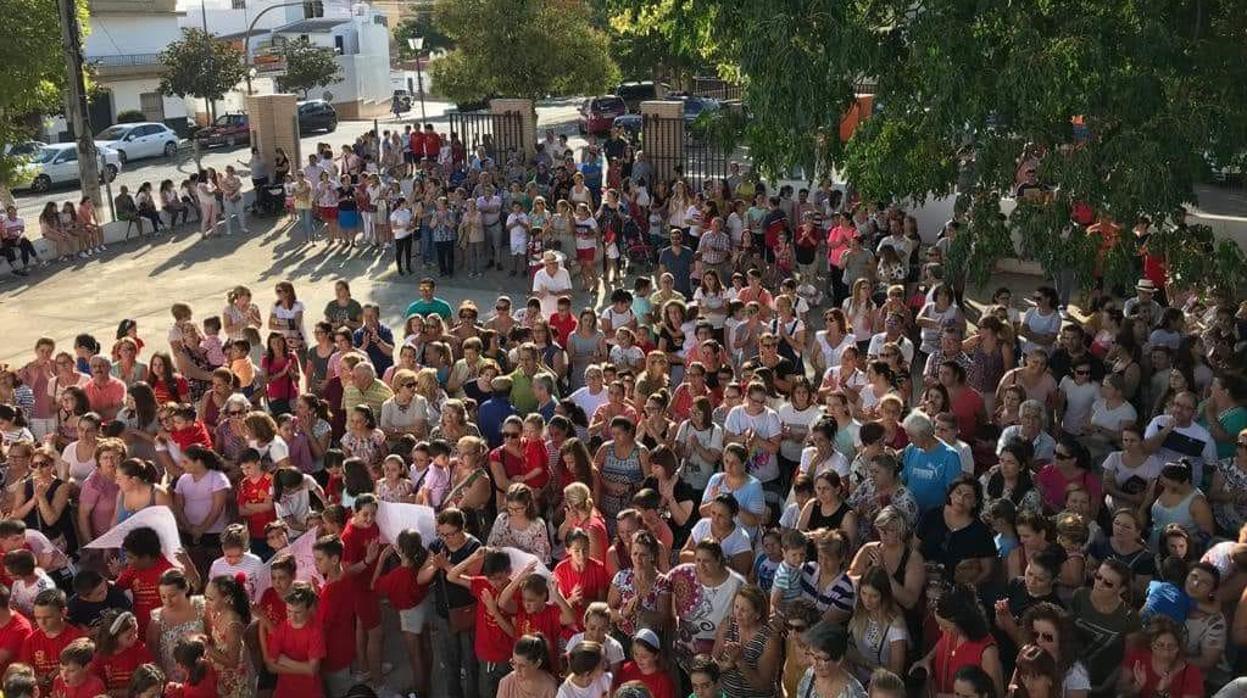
(561, 114)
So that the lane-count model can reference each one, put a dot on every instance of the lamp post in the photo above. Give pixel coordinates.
(417, 44)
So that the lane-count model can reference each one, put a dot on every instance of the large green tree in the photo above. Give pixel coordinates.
(420, 25)
(33, 75)
(520, 48)
(308, 66)
(201, 65)
(963, 86)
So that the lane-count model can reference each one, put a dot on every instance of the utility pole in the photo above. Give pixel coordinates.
(76, 108)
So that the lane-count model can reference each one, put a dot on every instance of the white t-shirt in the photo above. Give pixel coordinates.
(277, 450)
(1193, 442)
(761, 464)
(517, 228)
(197, 497)
(560, 282)
(737, 541)
(613, 651)
(281, 312)
(807, 466)
(1078, 402)
(792, 417)
(831, 355)
(23, 594)
(626, 357)
(400, 222)
(1049, 324)
(599, 688)
(250, 565)
(588, 401)
(877, 342)
(77, 470)
(696, 472)
(1102, 416)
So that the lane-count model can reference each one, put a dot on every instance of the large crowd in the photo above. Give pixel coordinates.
(788, 457)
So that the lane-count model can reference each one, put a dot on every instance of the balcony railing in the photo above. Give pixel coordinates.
(127, 60)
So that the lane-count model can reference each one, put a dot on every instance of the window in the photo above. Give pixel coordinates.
(339, 44)
(238, 4)
(152, 106)
(313, 8)
(69, 155)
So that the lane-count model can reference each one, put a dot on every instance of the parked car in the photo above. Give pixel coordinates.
(317, 115)
(228, 130)
(24, 149)
(633, 93)
(598, 113)
(146, 139)
(694, 106)
(629, 123)
(58, 164)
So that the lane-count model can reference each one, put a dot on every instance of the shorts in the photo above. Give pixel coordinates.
(519, 247)
(414, 619)
(586, 255)
(327, 213)
(409, 157)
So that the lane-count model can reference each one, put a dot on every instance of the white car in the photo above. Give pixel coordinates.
(142, 140)
(58, 164)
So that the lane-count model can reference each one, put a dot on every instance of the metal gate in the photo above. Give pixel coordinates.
(676, 153)
(501, 135)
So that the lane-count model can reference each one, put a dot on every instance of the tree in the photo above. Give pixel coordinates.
(32, 81)
(520, 48)
(308, 66)
(639, 43)
(1124, 104)
(201, 65)
(420, 25)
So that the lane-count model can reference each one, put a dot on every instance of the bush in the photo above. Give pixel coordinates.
(131, 116)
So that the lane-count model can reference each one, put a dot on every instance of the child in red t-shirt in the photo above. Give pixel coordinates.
(255, 501)
(190, 653)
(581, 579)
(188, 430)
(76, 679)
(335, 610)
(52, 634)
(270, 610)
(333, 466)
(141, 576)
(14, 629)
(120, 650)
(536, 460)
(361, 545)
(297, 646)
(495, 634)
(528, 599)
(646, 667)
(407, 596)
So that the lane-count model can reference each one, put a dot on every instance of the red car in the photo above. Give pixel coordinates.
(228, 130)
(597, 114)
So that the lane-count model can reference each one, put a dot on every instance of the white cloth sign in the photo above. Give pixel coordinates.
(158, 518)
(520, 560)
(393, 518)
(305, 564)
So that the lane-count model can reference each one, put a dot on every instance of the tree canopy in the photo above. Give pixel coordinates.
(520, 48)
(201, 65)
(33, 78)
(308, 66)
(1125, 104)
(420, 25)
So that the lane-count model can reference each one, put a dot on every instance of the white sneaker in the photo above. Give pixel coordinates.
(82, 255)
(103, 248)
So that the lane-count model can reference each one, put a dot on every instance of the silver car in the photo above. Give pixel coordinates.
(58, 164)
(146, 139)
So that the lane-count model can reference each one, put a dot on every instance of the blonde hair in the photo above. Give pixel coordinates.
(578, 496)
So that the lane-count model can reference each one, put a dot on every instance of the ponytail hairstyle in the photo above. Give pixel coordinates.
(319, 407)
(235, 591)
(143, 470)
(285, 480)
(112, 625)
(534, 649)
(412, 547)
(190, 653)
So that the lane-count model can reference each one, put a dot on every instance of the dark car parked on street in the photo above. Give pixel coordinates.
(317, 115)
(228, 130)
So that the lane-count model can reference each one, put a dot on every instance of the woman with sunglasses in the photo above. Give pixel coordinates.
(1103, 620)
(42, 501)
(1051, 628)
(1206, 626)
(798, 617)
(404, 412)
(230, 437)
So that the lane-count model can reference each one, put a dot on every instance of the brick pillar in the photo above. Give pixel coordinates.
(273, 120)
(662, 136)
(506, 136)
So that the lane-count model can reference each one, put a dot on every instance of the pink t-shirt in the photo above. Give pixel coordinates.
(1052, 484)
(107, 398)
(99, 496)
(197, 497)
(838, 243)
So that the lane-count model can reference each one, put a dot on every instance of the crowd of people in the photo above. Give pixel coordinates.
(794, 460)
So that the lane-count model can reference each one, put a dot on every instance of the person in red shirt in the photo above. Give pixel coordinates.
(141, 577)
(407, 595)
(494, 631)
(190, 653)
(335, 614)
(75, 679)
(432, 143)
(42, 648)
(361, 545)
(119, 652)
(528, 599)
(188, 430)
(581, 579)
(255, 501)
(14, 629)
(270, 610)
(297, 646)
(646, 666)
(563, 321)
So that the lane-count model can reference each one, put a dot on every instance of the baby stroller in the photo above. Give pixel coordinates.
(270, 200)
(640, 253)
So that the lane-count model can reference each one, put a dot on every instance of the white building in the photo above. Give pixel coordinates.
(123, 47)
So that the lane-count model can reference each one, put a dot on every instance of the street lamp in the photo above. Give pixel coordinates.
(416, 44)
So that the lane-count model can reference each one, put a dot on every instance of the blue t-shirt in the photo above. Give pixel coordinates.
(1005, 545)
(681, 267)
(490, 416)
(928, 474)
(1167, 599)
(750, 496)
(764, 571)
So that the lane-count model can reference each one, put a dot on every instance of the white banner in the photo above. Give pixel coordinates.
(305, 563)
(394, 518)
(158, 518)
(520, 559)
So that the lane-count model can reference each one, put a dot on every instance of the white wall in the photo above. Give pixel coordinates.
(126, 96)
(117, 35)
(223, 20)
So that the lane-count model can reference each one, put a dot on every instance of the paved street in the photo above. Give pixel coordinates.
(155, 170)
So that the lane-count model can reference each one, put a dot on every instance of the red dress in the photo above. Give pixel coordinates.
(354, 548)
(948, 660)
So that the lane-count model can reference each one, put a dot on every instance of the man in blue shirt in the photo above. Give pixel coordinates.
(678, 260)
(375, 339)
(427, 302)
(930, 465)
(494, 411)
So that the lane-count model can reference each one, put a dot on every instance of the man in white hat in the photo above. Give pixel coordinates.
(550, 282)
(1144, 303)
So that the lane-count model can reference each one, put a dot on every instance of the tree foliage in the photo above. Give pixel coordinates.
(32, 81)
(520, 48)
(1159, 90)
(638, 40)
(420, 25)
(308, 66)
(200, 65)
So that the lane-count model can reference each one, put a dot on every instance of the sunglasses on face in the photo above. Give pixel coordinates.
(1062, 456)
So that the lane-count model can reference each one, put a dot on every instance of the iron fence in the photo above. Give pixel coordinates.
(676, 152)
(714, 88)
(501, 135)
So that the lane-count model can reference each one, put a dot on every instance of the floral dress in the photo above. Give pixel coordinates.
(398, 492)
(369, 448)
(1231, 515)
(625, 583)
(867, 503)
(170, 634)
(235, 682)
(534, 539)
